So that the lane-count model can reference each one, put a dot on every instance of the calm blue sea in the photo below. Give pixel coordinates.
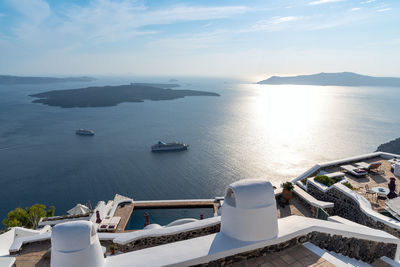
(251, 131)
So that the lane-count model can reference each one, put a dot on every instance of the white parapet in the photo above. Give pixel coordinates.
(249, 211)
(396, 170)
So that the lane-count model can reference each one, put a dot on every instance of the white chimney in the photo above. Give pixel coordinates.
(249, 211)
(76, 244)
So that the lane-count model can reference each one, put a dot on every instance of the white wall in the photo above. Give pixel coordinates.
(6, 241)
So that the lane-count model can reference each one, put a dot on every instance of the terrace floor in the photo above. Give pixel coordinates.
(295, 207)
(372, 180)
(297, 256)
(125, 212)
(33, 255)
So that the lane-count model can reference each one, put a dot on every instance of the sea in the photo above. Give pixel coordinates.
(272, 132)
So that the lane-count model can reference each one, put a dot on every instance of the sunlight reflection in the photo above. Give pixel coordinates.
(291, 109)
(284, 116)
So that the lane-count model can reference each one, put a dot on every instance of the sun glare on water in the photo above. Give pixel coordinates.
(284, 118)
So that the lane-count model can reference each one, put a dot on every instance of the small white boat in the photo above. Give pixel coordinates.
(176, 146)
(84, 132)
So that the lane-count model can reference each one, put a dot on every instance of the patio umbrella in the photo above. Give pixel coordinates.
(392, 188)
(98, 219)
(78, 210)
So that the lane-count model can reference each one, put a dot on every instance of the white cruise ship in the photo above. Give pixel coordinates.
(84, 132)
(161, 146)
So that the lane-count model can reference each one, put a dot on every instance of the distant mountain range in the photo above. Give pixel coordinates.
(334, 79)
(390, 147)
(8, 79)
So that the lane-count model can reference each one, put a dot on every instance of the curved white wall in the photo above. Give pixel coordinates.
(6, 241)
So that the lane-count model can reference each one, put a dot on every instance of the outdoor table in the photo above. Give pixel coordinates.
(394, 160)
(381, 190)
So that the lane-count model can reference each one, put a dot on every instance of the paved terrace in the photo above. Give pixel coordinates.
(372, 180)
(297, 256)
(34, 255)
(124, 211)
(294, 208)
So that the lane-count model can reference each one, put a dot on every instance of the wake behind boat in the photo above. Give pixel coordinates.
(84, 132)
(176, 146)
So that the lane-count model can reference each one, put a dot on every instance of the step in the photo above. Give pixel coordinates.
(334, 258)
(385, 262)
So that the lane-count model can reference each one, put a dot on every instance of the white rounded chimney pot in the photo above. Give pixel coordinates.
(76, 244)
(249, 211)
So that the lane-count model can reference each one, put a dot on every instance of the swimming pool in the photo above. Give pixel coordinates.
(165, 216)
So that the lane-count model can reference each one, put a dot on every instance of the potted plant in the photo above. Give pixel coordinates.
(287, 191)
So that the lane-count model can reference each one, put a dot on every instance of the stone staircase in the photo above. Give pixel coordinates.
(340, 260)
(385, 262)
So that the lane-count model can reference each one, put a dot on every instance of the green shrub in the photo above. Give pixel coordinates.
(337, 179)
(348, 185)
(288, 186)
(28, 217)
(325, 180)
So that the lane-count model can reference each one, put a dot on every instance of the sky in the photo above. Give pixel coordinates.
(243, 39)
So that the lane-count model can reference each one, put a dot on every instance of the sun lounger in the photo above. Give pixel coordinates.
(104, 224)
(363, 165)
(375, 166)
(112, 226)
(354, 170)
(372, 167)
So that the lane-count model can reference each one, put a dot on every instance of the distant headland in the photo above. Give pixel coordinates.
(107, 96)
(8, 79)
(334, 79)
(390, 147)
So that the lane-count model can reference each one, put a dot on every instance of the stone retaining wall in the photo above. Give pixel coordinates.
(106, 244)
(147, 242)
(313, 209)
(364, 250)
(348, 208)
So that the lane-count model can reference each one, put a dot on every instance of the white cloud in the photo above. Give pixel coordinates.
(355, 9)
(103, 21)
(274, 23)
(127, 14)
(2, 15)
(384, 9)
(284, 19)
(189, 43)
(319, 2)
(368, 2)
(34, 10)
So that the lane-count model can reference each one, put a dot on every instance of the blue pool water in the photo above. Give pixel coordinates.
(165, 216)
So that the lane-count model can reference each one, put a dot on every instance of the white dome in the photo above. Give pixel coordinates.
(152, 226)
(182, 221)
(249, 211)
